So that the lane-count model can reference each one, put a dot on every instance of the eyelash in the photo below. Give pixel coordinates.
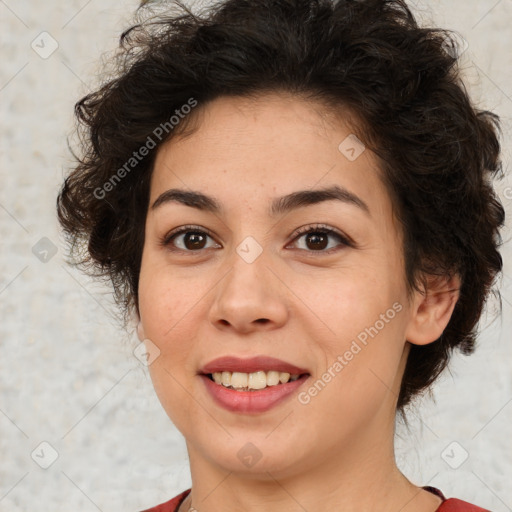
(318, 228)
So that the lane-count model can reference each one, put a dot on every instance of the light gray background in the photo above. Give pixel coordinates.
(67, 373)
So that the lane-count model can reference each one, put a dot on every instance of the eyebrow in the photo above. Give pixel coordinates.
(279, 205)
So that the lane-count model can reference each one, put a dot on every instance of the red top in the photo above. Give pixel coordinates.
(448, 505)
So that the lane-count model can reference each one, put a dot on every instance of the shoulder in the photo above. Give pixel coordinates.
(455, 505)
(171, 505)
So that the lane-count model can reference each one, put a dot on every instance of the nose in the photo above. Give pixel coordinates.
(249, 298)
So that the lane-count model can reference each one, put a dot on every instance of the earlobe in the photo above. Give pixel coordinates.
(432, 309)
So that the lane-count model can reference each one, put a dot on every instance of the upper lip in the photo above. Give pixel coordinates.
(250, 365)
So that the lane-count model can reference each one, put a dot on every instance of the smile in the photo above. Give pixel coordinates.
(252, 381)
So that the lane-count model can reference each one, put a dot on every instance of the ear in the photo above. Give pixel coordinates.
(432, 309)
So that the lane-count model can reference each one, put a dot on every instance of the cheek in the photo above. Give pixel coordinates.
(350, 300)
(361, 373)
(167, 313)
(165, 299)
(360, 336)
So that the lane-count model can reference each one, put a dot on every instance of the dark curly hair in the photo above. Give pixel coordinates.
(438, 153)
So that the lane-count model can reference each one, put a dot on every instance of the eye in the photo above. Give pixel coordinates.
(316, 239)
(188, 239)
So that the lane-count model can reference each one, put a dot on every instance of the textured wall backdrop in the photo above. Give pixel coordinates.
(68, 378)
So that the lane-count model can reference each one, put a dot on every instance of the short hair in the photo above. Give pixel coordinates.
(438, 153)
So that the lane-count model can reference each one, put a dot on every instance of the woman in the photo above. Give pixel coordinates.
(294, 197)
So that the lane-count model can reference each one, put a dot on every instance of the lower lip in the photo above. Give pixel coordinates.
(251, 401)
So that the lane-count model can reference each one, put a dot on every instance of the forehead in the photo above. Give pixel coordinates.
(266, 147)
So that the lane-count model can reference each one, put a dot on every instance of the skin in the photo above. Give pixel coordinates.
(294, 302)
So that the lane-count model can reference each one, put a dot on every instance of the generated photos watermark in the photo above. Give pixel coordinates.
(361, 341)
(157, 135)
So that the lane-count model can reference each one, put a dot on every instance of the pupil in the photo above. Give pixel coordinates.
(316, 240)
(193, 240)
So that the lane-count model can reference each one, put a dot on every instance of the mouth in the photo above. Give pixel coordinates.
(251, 374)
(254, 381)
(252, 385)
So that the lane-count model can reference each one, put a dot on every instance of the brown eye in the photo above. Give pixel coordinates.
(194, 241)
(188, 240)
(319, 239)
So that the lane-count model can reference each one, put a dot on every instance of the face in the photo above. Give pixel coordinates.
(316, 283)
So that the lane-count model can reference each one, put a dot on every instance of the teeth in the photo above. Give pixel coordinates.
(238, 380)
(284, 377)
(272, 378)
(255, 380)
(226, 378)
